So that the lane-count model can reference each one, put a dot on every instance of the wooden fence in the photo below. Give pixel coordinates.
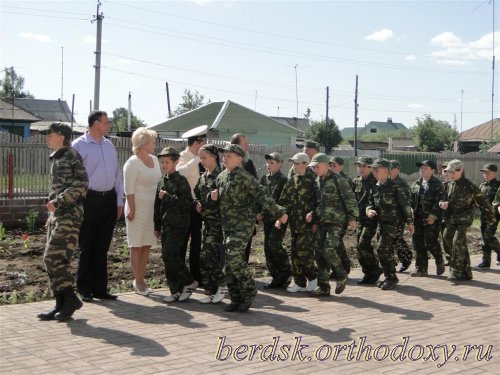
(30, 160)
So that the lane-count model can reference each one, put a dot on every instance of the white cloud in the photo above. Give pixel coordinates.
(447, 40)
(454, 51)
(380, 35)
(416, 106)
(411, 57)
(38, 37)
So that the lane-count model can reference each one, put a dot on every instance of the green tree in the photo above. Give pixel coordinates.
(307, 115)
(434, 135)
(12, 85)
(190, 101)
(119, 122)
(327, 136)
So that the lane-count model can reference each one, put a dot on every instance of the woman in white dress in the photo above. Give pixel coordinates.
(141, 174)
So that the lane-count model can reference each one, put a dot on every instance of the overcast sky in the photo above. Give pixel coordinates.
(412, 57)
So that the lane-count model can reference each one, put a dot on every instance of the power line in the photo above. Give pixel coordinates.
(47, 16)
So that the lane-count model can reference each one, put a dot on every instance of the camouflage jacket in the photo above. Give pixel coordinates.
(348, 179)
(362, 188)
(496, 201)
(274, 185)
(174, 209)
(388, 199)
(425, 201)
(239, 191)
(462, 195)
(68, 181)
(205, 185)
(299, 198)
(489, 190)
(336, 203)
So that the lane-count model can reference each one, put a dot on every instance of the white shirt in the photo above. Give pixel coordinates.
(188, 166)
(141, 180)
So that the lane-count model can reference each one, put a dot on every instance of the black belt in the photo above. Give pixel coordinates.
(96, 193)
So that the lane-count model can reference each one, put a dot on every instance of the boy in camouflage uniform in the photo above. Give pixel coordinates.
(367, 227)
(214, 280)
(299, 198)
(386, 201)
(277, 260)
(403, 251)
(426, 193)
(172, 210)
(68, 188)
(335, 206)
(238, 192)
(489, 188)
(446, 179)
(461, 196)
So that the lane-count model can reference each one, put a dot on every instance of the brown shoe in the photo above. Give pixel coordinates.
(419, 274)
(339, 288)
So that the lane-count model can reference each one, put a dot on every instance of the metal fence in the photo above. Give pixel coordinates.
(30, 161)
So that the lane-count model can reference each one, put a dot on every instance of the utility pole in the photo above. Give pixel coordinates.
(356, 118)
(493, 75)
(62, 73)
(168, 100)
(97, 80)
(462, 112)
(129, 113)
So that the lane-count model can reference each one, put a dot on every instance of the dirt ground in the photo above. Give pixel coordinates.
(23, 277)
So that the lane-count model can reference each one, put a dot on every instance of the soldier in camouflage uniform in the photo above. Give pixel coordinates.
(386, 201)
(238, 192)
(403, 251)
(489, 188)
(214, 280)
(299, 198)
(426, 193)
(172, 210)
(367, 227)
(277, 260)
(446, 180)
(460, 198)
(335, 206)
(337, 166)
(68, 188)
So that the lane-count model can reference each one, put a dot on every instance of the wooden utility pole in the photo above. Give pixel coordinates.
(97, 80)
(356, 105)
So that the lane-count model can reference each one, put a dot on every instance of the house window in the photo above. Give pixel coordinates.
(373, 130)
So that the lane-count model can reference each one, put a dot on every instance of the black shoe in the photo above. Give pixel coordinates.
(454, 277)
(484, 264)
(440, 268)
(380, 283)
(87, 297)
(232, 307)
(390, 283)
(105, 295)
(244, 306)
(50, 315)
(71, 303)
(278, 283)
(369, 279)
(339, 288)
(320, 292)
(404, 267)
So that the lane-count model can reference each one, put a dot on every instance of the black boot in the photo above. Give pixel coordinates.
(71, 303)
(50, 315)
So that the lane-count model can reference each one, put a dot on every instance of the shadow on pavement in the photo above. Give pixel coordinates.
(141, 346)
(427, 295)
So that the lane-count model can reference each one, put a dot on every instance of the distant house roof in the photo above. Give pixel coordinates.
(12, 112)
(495, 148)
(47, 110)
(481, 133)
(385, 126)
(44, 125)
(301, 124)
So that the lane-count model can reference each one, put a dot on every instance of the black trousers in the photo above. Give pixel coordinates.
(194, 238)
(96, 233)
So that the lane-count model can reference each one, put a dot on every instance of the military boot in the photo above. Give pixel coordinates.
(390, 283)
(50, 315)
(71, 303)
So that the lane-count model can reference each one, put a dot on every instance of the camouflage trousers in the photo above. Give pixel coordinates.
(277, 260)
(446, 249)
(240, 284)
(173, 256)
(426, 240)
(490, 241)
(342, 251)
(326, 243)
(210, 267)
(303, 266)
(62, 237)
(455, 236)
(385, 248)
(403, 251)
(366, 254)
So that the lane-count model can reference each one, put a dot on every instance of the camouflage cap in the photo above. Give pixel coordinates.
(311, 144)
(429, 163)
(319, 158)
(274, 156)
(300, 157)
(235, 149)
(395, 164)
(489, 168)
(364, 159)
(381, 163)
(454, 165)
(337, 159)
(444, 164)
(169, 151)
(210, 148)
(59, 128)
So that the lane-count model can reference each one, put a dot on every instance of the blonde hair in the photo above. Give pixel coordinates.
(140, 137)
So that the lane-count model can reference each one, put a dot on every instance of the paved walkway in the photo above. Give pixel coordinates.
(427, 326)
